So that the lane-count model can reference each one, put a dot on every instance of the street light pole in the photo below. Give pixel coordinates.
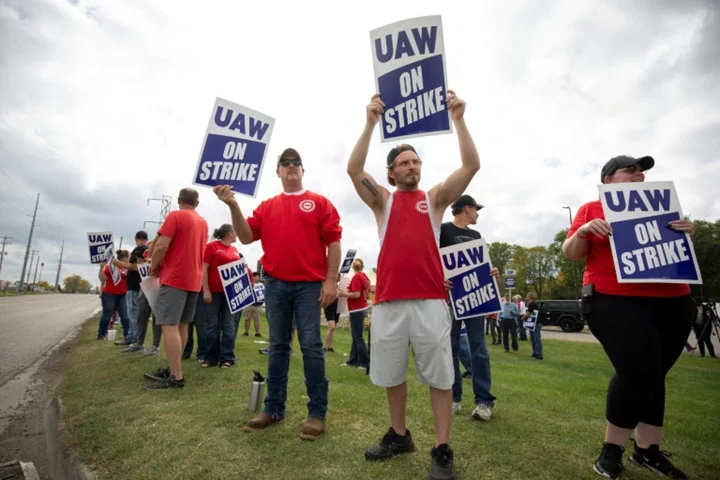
(577, 294)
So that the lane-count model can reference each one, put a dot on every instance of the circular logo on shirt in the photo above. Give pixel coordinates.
(307, 206)
(422, 206)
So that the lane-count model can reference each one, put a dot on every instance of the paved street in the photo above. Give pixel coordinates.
(31, 325)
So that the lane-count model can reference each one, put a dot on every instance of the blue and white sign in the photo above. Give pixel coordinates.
(234, 148)
(410, 75)
(99, 242)
(143, 270)
(347, 263)
(509, 282)
(236, 283)
(115, 274)
(259, 290)
(474, 291)
(645, 249)
(531, 321)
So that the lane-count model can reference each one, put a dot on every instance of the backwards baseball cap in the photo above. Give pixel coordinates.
(465, 201)
(397, 151)
(289, 153)
(141, 235)
(615, 164)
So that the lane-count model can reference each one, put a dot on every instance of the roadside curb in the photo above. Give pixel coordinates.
(61, 466)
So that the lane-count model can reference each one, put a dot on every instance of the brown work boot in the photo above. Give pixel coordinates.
(261, 421)
(312, 428)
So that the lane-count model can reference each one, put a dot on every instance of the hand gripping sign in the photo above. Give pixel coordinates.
(99, 242)
(474, 291)
(644, 247)
(115, 274)
(234, 148)
(531, 321)
(347, 263)
(259, 290)
(237, 286)
(149, 284)
(409, 65)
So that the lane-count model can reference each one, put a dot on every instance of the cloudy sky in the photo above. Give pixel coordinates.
(104, 104)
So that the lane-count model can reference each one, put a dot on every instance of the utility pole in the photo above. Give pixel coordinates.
(33, 253)
(577, 295)
(57, 277)
(165, 207)
(5, 241)
(36, 269)
(27, 250)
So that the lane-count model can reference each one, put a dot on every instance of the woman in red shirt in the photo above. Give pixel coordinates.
(357, 294)
(220, 332)
(642, 327)
(113, 296)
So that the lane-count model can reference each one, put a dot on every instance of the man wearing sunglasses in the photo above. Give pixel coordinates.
(300, 235)
(410, 295)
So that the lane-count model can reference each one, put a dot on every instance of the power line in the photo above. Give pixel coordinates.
(13, 182)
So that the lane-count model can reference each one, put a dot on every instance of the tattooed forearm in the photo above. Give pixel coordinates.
(368, 184)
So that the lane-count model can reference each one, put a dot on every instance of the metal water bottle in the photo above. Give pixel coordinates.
(257, 389)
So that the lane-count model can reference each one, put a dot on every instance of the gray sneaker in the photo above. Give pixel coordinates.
(152, 351)
(133, 348)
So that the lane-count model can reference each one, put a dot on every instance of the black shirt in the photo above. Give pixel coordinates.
(532, 307)
(452, 235)
(133, 277)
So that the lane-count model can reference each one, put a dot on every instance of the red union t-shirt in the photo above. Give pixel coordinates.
(182, 266)
(600, 268)
(110, 287)
(295, 231)
(358, 283)
(216, 254)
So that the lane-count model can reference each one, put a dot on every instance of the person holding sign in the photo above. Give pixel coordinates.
(535, 339)
(300, 234)
(113, 297)
(357, 294)
(465, 213)
(220, 330)
(642, 327)
(508, 323)
(177, 255)
(133, 289)
(410, 298)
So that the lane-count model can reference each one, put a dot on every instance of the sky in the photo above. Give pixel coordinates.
(104, 105)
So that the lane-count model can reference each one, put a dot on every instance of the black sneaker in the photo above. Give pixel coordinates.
(391, 444)
(245, 334)
(258, 335)
(442, 463)
(123, 342)
(609, 463)
(169, 382)
(264, 351)
(467, 375)
(656, 460)
(159, 374)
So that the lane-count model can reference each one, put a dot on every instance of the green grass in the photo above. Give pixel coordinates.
(548, 424)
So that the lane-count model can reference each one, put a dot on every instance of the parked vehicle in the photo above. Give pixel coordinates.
(563, 313)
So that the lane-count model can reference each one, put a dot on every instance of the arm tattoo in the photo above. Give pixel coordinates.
(368, 184)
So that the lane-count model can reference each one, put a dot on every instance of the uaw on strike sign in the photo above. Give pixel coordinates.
(644, 247)
(409, 65)
(234, 148)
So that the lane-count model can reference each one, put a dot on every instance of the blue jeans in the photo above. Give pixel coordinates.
(536, 340)
(522, 333)
(110, 303)
(480, 361)
(282, 301)
(220, 331)
(464, 353)
(131, 297)
(358, 351)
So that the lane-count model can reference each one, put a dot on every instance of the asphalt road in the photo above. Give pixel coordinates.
(31, 325)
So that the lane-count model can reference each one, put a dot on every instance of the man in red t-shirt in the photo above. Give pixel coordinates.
(300, 234)
(177, 256)
(410, 294)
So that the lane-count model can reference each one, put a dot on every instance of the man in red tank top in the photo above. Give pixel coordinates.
(410, 294)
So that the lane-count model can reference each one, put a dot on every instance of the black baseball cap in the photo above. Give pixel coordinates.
(465, 201)
(141, 235)
(289, 152)
(614, 164)
(397, 151)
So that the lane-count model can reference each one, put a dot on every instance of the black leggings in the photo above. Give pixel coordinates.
(643, 337)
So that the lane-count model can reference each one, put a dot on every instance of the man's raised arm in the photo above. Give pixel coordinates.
(240, 225)
(455, 185)
(365, 185)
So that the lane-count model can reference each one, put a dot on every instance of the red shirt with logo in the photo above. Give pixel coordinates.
(110, 287)
(358, 283)
(409, 262)
(182, 266)
(600, 268)
(216, 254)
(295, 231)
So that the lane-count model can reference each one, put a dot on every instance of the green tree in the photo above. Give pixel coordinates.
(539, 267)
(76, 284)
(567, 271)
(706, 243)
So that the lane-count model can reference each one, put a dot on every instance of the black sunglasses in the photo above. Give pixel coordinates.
(285, 162)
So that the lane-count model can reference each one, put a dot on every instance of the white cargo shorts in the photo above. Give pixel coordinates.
(423, 324)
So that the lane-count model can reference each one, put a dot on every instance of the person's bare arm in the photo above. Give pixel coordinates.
(576, 247)
(240, 225)
(329, 287)
(160, 248)
(101, 274)
(125, 265)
